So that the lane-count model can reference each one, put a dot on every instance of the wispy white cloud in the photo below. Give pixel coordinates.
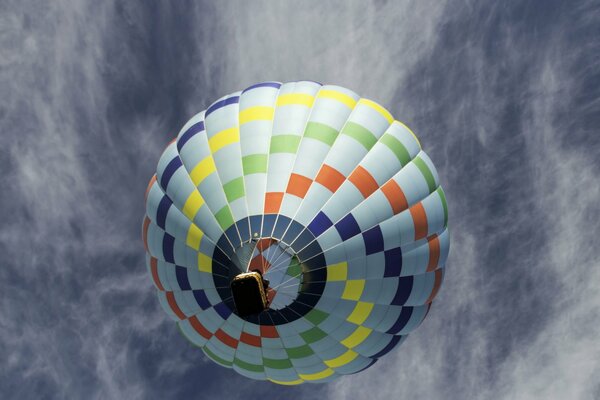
(91, 92)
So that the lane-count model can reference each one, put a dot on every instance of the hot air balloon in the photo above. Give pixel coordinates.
(295, 232)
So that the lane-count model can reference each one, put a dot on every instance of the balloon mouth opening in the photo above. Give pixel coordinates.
(273, 266)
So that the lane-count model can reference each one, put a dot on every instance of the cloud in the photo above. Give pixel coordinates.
(504, 99)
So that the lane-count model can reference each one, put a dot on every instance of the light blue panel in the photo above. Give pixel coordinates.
(289, 205)
(355, 247)
(177, 224)
(345, 154)
(401, 132)
(251, 328)
(212, 295)
(379, 206)
(229, 162)
(231, 329)
(334, 289)
(211, 190)
(275, 352)
(329, 239)
(392, 313)
(372, 290)
(375, 265)
(322, 345)
(389, 287)
(333, 351)
(210, 320)
(417, 287)
(311, 369)
(250, 374)
(398, 230)
(327, 304)
(166, 274)
(435, 213)
(255, 192)
(186, 302)
(316, 196)
(311, 154)
(249, 354)
(292, 341)
(272, 346)
(292, 328)
(381, 163)
(426, 281)
(357, 268)
(331, 323)
(221, 119)
(191, 334)
(255, 137)
(376, 316)
(370, 119)
(258, 96)
(195, 150)
(305, 361)
(415, 261)
(343, 201)
(413, 183)
(154, 240)
(366, 216)
(219, 349)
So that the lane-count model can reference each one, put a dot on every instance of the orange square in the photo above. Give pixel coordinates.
(298, 185)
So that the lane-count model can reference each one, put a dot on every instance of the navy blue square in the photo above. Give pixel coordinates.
(320, 224)
(167, 248)
(373, 240)
(170, 169)
(162, 211)
(201, 299)
(182, 278)
(192, 130)
(405, 285)
(347, 227)
(223, 310)
(393, 262)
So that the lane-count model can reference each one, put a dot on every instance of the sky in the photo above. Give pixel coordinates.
(504, 96)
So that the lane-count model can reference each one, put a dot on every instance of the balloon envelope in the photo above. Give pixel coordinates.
(325, 194)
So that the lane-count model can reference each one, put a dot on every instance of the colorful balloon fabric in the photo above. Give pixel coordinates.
(327, 195)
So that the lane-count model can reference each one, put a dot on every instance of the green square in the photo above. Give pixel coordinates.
(360, 134)
(234, 189)
(426, 173)
(248, 366)
(396, 147)
(300, 351)
(254, 164)
(277, 364)
(224, 218)
(313, 335)
(322, 132)
(316, 316)
(442, 195)
(285, 144)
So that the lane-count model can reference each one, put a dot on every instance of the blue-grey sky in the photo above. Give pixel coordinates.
(504, 95)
